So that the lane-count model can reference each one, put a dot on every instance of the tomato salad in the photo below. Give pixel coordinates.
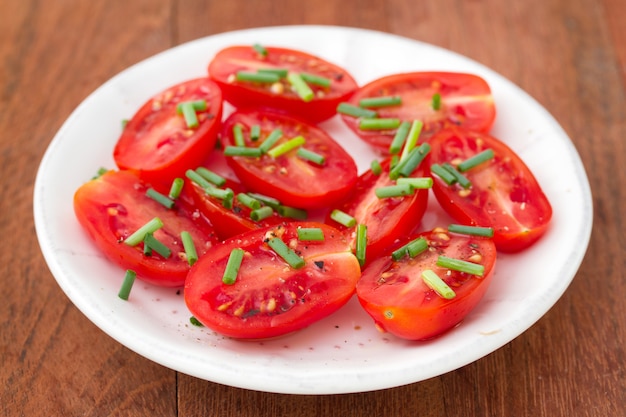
(285, 231)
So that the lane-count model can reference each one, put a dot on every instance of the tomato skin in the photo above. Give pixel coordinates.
(288, 178)
(269, 298)
(395, 296)
(387, 219)
(504, 194)
(466, 100)
(156, 141)
(241, 94)
(113, 206)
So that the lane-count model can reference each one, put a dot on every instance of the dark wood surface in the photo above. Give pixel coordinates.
(568, 54)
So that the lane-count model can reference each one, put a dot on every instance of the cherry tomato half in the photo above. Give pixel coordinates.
(113, 206)
(465, 100)
(294, 181)
(279, 94)
(158, 143)
(503, 194)
(402, 303)
(269, 297)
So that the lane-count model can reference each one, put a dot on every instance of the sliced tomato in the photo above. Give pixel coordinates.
(157, 141)
(466, 101)
(387, 219)
(396, 296)
(269, 297)
(504, 194)
(292, 180)
(113, 206)
(279, 94)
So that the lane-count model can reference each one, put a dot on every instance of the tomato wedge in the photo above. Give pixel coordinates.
(278, 94)
(465, 100)
(396, 296)
(269, 297)
(113, 206)
(292, 180)
(503, 195)
(158, 143)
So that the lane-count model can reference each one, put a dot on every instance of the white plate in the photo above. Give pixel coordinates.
(343, 353)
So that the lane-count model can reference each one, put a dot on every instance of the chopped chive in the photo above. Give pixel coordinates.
(147, 250)
(399, 138)
(255, 133)
(227, 202)
(355, 111)
(260, 49)
(407, 165)
(157, 246)
(285, 147)
(443, 173)
(189, 113)
(361, 243)
(270, 140)
(342, 218)
(376, 168)
(176, 188)
(311, 156)
(398, 190)
(393, 162)
(412, 138)
(270, 201)
(124, 123)
(281, 72)
(288, 255)
(382, 101)
(101, 171)
(197, 105)
(315, 79)
(475, 160)
(261, 213)
(242, 151)
(190, 248)
(150, 227)
(232, 266)
(238, 135)
(379, 124)
(127, 284)
(436, 101)
(250, 202)
(417, 183)
(471, 230)
(195, 322)
(197, 178)
(219, 193)
(292, 212)
(412, 249)
(257, 77)
(300, 86)
(460, 265)
(460, 178)
(211, 176)
(310, 234)
(162, 199)
(435, 283)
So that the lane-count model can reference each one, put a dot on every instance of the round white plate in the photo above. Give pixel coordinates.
(343, 353)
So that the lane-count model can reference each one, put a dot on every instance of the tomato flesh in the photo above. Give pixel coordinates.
(394, 294)
(269, 298)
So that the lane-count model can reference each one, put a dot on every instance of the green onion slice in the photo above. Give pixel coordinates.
(435, 283)
(285, 147)
(260, 49)
(292, 212)
(407, 165)
(286, 253)
(471, 230)
(176, 188)
(243, 151)
(162, 199)
(460, 265)
(270, 140)
(443, 173)
(310, 234)
(238, 135)
(460, 178)
(257, 77)
(190, 247)
(412, 138)
(232, 266)
(250, 202)
(280, 72)
(417, 183)
(379, 124)
(157, 246)
(127, 284)
(376, 168)
(255, 133)
(399, 138)
(412, 249)
(270, 201)
(197, 105)
(138, 236)
(343, 218)
(261, 213)
(211, 176)
(361, 243)
(398, 190)
(476, 160)
(189, 113)
(197, 178)
(315, 79)
(300, 86)
(195, 321)
(355, 111)
(382, 101)
(311, 156)
(436, 101)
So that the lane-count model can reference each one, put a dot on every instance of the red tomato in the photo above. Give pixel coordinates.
(401, 303)
(292, 180)
(113, 206)
(504, 194)
(269, 297)
(387, 219)
(157, 141)
(466, 100)
(279, 95)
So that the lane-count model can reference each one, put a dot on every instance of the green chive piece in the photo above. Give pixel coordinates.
(407, 165)
(286, 253)
(101, 171)
(281, 72)
(393, 162)
(189, 113)
(232, 266)
(435, 283)
(176, 188)
(260, 49)
(250, 202)
(355, 111)
(270, 201)
(300, 86)
(257, 77)
(195, 322)
(315, 79)
(255, 133)
(460, 178)
(343, 218)
(292, 212)
(475, 160)
(147, 250)
(399, 138)
(398, 190)
(382, 101)
(471, 230)
(138, 236)
(190, 247)
(162, 199)
(417, 183)
(261, 213)
(379, 124)
(412, 138)
(285, 147)
(124, 123)
(220, 193)
(310, 234)
(376, 168)
(211, 176)
(460, 265)
(443, 173)
(197, 178)
(198, 105)
(238, 135)
(309, 155)
(270, 140)
(436, 101)
(157, 246)
(243, 151)
(227, 202)
(361, 243)
(127, 284)
(412, 249)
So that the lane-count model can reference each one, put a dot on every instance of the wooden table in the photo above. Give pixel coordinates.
(568, 54)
